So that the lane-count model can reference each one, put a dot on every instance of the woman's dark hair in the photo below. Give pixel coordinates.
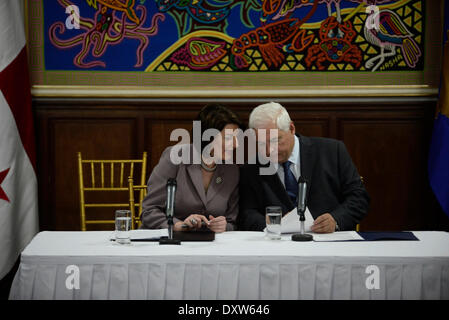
(216, 116)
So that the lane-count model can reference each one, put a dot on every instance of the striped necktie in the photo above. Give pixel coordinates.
(291, 185)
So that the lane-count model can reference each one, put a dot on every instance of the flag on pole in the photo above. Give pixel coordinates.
(439, 146)
(18, 183)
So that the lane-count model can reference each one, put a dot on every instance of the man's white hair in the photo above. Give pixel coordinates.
(268, 113)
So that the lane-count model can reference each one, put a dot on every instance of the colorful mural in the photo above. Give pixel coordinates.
(234, 35)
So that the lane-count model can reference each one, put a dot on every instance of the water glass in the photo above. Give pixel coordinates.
(273, 216)
(122, 226)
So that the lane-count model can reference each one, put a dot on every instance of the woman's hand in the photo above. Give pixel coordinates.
(217, 224)
(192, 222)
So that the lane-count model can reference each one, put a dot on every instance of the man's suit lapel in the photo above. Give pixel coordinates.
(307, 156)
(275, 184)
(280, 191)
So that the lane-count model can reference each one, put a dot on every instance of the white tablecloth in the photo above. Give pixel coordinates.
(237, 265)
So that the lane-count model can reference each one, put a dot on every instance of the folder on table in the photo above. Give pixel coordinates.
(388, 236)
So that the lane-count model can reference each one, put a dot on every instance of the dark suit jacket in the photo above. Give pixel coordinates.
(221, 198)
(334, 186)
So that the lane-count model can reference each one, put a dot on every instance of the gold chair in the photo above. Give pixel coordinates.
(132, 189)
(105, 180)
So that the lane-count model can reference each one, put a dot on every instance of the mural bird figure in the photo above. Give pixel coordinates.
(390, 33)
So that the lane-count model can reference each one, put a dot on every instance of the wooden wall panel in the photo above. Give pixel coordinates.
(160, 131)
(312, 127)
(388, 154)
(387, 139)
(96, 139)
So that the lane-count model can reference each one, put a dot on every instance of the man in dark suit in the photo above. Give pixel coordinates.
(336, 197)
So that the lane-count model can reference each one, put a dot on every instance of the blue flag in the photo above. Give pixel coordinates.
(439, 146)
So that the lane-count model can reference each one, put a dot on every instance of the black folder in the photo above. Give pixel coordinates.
(194, 235)
(388, 236)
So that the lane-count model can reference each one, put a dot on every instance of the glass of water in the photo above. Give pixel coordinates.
(273, 217)
(122, 226)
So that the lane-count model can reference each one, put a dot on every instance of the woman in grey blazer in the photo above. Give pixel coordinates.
(206, 191)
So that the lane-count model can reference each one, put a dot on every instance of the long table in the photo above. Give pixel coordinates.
(237, 265)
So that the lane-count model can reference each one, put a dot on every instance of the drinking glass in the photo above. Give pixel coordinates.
(273, 215)
(122, 226)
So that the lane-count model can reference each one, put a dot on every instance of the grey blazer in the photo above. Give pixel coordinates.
(221, 199)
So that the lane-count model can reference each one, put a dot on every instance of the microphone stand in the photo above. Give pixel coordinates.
(302, 191)
(170, 211)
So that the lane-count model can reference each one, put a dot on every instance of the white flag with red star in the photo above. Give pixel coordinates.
(18, 184)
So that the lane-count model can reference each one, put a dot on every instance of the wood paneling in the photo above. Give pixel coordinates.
(387, 139)
(388, 154)
(160, 131)
(106, 138)
(312, 127)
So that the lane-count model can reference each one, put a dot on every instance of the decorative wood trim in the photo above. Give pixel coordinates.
(241, 92)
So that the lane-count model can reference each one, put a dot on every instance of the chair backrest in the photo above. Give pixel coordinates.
(135, 206)
(105, 179)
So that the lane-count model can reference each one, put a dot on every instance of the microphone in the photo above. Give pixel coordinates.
(302, 191)
(171, 192)
(170, 212)
(301, 208)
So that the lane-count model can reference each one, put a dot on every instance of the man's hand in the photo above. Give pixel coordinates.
(324, 224)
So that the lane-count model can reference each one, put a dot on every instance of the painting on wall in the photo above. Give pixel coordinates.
(233, 43)
(234, 35)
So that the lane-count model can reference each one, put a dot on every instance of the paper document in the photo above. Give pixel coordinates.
(290, 222)
(337, 236)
